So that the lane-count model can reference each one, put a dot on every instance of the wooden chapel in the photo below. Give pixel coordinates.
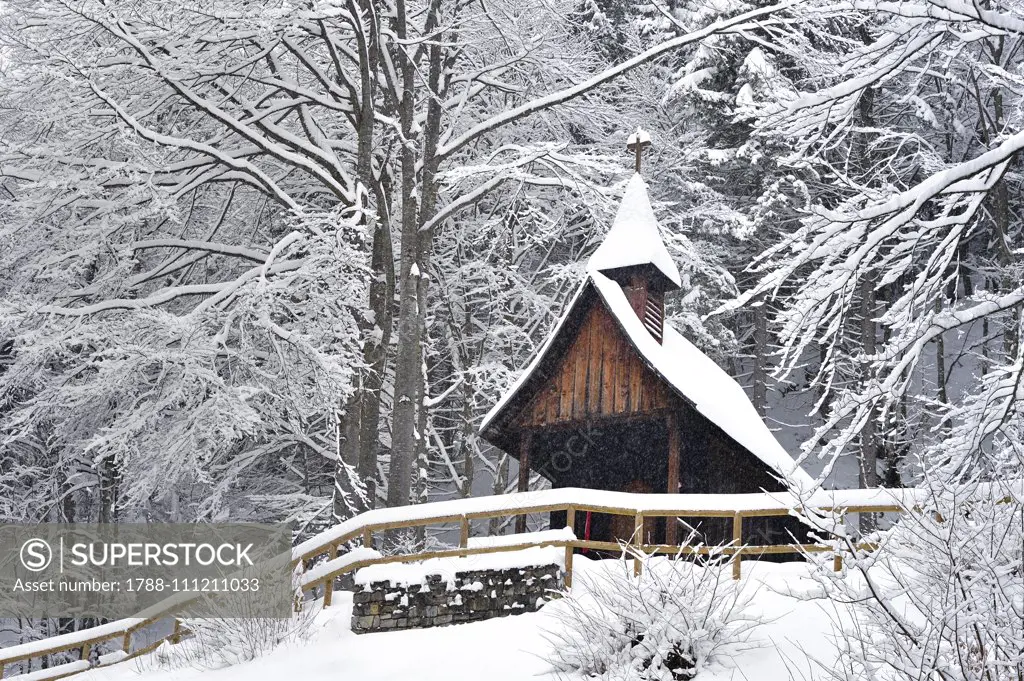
(616, 400)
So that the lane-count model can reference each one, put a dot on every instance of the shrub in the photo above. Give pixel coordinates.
(941, 596)
(235, 633)
(667, 624)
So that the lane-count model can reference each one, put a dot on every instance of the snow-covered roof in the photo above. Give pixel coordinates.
(690, 372)
(634, 238)
(713, 392)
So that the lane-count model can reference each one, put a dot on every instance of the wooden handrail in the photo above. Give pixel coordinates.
(325, 577)
(462, 512)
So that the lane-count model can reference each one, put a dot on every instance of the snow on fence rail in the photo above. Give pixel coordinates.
(573, 500)
(83, 641)
(321, 577)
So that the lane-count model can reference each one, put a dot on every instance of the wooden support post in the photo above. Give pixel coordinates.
(368, 538)
(524, 474)
(332, 553)
(85, 652)
(737, 542)
(1, 670)
(638, 541)
(176, 634)
(570, 522)
(464, 533)
(671, 523)
(126, 644)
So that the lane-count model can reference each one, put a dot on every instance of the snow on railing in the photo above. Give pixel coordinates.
(84, 641)
(571, 500)
(723, 505)
(321, 576)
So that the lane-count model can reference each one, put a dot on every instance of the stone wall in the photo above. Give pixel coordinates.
(470, 596)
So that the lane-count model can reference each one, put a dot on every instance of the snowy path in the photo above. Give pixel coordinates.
(513, 648)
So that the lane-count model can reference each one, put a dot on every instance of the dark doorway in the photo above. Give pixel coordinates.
(610, 454)
(620, 455)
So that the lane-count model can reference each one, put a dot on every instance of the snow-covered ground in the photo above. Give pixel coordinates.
(796, 628)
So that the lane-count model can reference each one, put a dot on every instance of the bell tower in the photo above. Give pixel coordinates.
(633, 253)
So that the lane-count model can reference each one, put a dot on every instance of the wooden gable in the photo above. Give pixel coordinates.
(598, 374)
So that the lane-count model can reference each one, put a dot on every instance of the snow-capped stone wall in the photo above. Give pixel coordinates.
(471, 596)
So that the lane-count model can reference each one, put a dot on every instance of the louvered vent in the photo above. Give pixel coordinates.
(654, 315)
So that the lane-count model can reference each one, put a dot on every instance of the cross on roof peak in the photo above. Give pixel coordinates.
(637, 142)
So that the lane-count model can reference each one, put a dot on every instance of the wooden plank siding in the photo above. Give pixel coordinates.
(595, 328)
(578, 367)
(599, 374)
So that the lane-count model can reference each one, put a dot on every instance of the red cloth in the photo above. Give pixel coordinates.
(586, 531)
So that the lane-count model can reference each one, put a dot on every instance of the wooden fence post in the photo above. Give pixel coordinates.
(638, 538)
(126, 643)
(524, 475)
(737, 542)
(332, 553)
(176, 634)
(570, 522)
(368, 538)
(464, 533)
(85, 652)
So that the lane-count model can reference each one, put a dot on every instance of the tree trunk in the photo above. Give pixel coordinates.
(408, 382)
(468, 448)
(416, 250)
(869, 443)
(361, 420)
(362, 412)
(759, 387)
(107, 471)
(869, 433)
(382, 293)
(420, 490)
(940, 362)
(408, 376)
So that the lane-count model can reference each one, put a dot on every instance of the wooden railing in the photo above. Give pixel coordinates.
(320, 577)
(323, 576)
(84, 641)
